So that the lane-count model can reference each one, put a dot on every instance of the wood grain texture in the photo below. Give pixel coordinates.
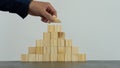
(38, 57)
(53, 42)
(24, 57)
(61, 42)
(53, 57)
(61, 35)
(31, 50)
(82, 57)
(75, 57)
(58, 28)
(39, 43)
(68, 42)
(53, 49)
(68, 50)
(61, 57)
(39, 50)
(46, 35)
(54, 35)
(75, 50)
(51, 28)
(61, 50)
(46, 57)
(32, 57)
(68, 57)
(46, 50)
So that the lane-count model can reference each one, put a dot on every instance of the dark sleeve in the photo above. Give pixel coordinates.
(15, 6)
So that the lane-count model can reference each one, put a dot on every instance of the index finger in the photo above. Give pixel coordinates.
(52, 9)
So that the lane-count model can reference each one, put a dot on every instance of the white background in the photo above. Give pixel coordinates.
(93, 25)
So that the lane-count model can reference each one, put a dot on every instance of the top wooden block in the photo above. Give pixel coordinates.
(56, 20)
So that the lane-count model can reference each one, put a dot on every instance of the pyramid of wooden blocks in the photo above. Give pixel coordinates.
(53, 47)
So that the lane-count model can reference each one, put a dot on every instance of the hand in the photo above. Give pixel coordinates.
(43, 9)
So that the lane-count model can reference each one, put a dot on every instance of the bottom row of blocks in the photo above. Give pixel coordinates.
(47, 57)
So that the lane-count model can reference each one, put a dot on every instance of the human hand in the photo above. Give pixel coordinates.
(43, 9)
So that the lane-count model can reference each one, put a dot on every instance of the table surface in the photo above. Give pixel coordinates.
(88, 64)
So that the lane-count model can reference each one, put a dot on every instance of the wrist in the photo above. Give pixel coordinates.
(30, 5)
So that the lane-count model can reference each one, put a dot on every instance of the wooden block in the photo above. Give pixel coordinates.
(61, 35)
(31, 58)
(58, 28)
(75, 57)
(39, 50)
(75, 50)
(51, 28)
(24, 57)
(46, 35)
(53, 42)
(46, 57)
(56, 20)
(47, 43)
(68, 57)
(53, 57)
(53, 49)
(82, 57)
(38, 57)
(68, 42)
(61, 42)
(61, 50)
(32, 50)
(54, 35)
(68, 50)
(39, 43)
(46, 50)
(60, 57)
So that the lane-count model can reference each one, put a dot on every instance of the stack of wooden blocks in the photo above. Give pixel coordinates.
(53, 47)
